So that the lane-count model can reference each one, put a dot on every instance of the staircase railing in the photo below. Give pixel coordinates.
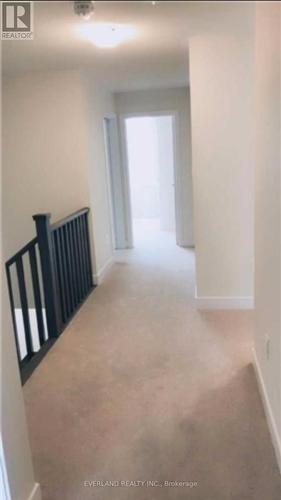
(48, 280)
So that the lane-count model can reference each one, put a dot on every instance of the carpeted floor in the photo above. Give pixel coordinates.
(143, 387)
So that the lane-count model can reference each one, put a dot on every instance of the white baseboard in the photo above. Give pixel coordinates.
(268, 411)
(99, 277)
(224, 302)
(5, 493)
(36, 493)
(186, 244)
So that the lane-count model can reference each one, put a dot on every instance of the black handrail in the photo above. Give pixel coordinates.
(21, 252)
(66, 270)
(69, 218)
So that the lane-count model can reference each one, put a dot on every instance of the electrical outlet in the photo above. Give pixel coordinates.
(267, 346)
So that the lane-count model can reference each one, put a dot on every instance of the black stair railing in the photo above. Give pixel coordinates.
(48, 280)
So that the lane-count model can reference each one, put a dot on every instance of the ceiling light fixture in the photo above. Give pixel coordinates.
(84, 8)
(106, 35)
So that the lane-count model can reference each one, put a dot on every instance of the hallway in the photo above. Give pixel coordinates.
(142, 386)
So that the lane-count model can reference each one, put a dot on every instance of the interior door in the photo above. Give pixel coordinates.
(115, 184)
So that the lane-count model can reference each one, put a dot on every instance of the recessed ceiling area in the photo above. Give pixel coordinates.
(153, 54)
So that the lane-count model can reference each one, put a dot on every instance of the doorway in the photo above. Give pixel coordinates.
(151, 171)
(144, 187)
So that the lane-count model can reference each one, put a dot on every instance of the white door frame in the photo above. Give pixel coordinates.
(119, 228)
(107, 117)
(177, 172)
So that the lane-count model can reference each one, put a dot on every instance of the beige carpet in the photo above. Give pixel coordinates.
(142, 387)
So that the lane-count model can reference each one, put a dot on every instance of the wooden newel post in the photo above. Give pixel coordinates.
(43, 230)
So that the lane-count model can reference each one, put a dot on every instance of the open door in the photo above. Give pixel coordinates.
(119, 178)
(117, 192)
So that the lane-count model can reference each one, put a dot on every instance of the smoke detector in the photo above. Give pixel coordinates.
(84, 8)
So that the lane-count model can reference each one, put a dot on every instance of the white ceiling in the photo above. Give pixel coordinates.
(156, 57)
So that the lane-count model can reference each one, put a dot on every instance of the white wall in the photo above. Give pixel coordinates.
(98, 103)
(267, 224)
(54, 155)
(221, 115)
(163, 100)
(15, 442)
(44, 152)
(15, 456)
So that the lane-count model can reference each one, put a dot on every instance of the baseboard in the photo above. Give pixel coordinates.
(99, 277)
(5, 493)
(185, 244)
(36, 493)
(189, 246)
(224, 302)
(268, 411)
